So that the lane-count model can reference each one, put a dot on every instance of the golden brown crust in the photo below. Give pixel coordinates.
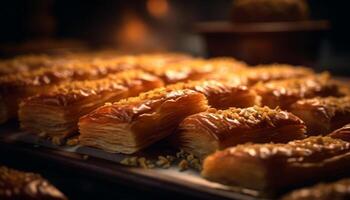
(342, 133)
(23, 185)
(56, 113)
(323, 115)
(134, 80)
(194, 69)
(23, 63)
(32, 62)
(208, 131)
(339, 190)
(263, 73)
(14, 88)
(134, 123)
(276, 166)
(285, 92)
(221, 95)
(71, 71)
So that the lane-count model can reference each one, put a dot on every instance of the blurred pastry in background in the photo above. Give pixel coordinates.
(269, 10)
(24, 185)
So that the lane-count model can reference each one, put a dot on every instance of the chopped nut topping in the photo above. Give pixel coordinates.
(57, 141)
(183, 165)
(72, 142)
(183, 160)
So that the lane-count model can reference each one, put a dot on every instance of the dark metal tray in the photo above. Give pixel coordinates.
(106, 166)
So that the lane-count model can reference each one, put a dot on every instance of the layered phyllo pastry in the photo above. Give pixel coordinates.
(195, 69)
(162, 59)
(16, 184)
(14, 88)
(24, 63)
(204, 133)
(221, 95)
(265, 73)
(338, 190)
(272, 167)
(132, 124)
(283, 93)
(57, 113)
(323, 115)
(342, 133)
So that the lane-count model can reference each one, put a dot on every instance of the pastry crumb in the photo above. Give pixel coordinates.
(183, 165)
(72, 142)
(57, 141)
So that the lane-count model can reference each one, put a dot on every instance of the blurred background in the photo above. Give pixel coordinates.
(202, 28)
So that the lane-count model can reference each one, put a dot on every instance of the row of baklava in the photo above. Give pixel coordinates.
(202, 116)
(274, 168)
(128, 103)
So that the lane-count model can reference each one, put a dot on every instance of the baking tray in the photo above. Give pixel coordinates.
(106, 165)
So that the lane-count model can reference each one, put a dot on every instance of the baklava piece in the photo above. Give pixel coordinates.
(283, 93)
(274, 167)
(15, 88)
(135, 123)
(32, 62)
(342, 133)
(195, 69)
(24, 63)
(323, 115)
(265, 73)
(339, 190)
(57, 113)
(221, 95)
(27, 186)
(204, 133)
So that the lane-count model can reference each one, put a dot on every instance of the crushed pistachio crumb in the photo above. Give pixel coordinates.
(72, 142)
(183, 165)
(182, 159)
(57, 140)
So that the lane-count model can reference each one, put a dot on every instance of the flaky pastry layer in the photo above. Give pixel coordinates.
(323, 115)
(338, 190)
(206, 132)
(135, 123)
(221, 95)
(56, 113)
(283, 93)
(16, 184)
(276, 166)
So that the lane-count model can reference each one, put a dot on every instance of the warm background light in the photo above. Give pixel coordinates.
(157, 8)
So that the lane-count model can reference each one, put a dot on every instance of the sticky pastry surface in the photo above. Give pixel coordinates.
(221, 95)
(135, 123)
(283, 93)
(195, 69)
(16, 184)
(323, 115)
(14, 88)
(264, 73)
(276, 166)
(56, 113)
(206, 132)
(338, 190)
(342, 133)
